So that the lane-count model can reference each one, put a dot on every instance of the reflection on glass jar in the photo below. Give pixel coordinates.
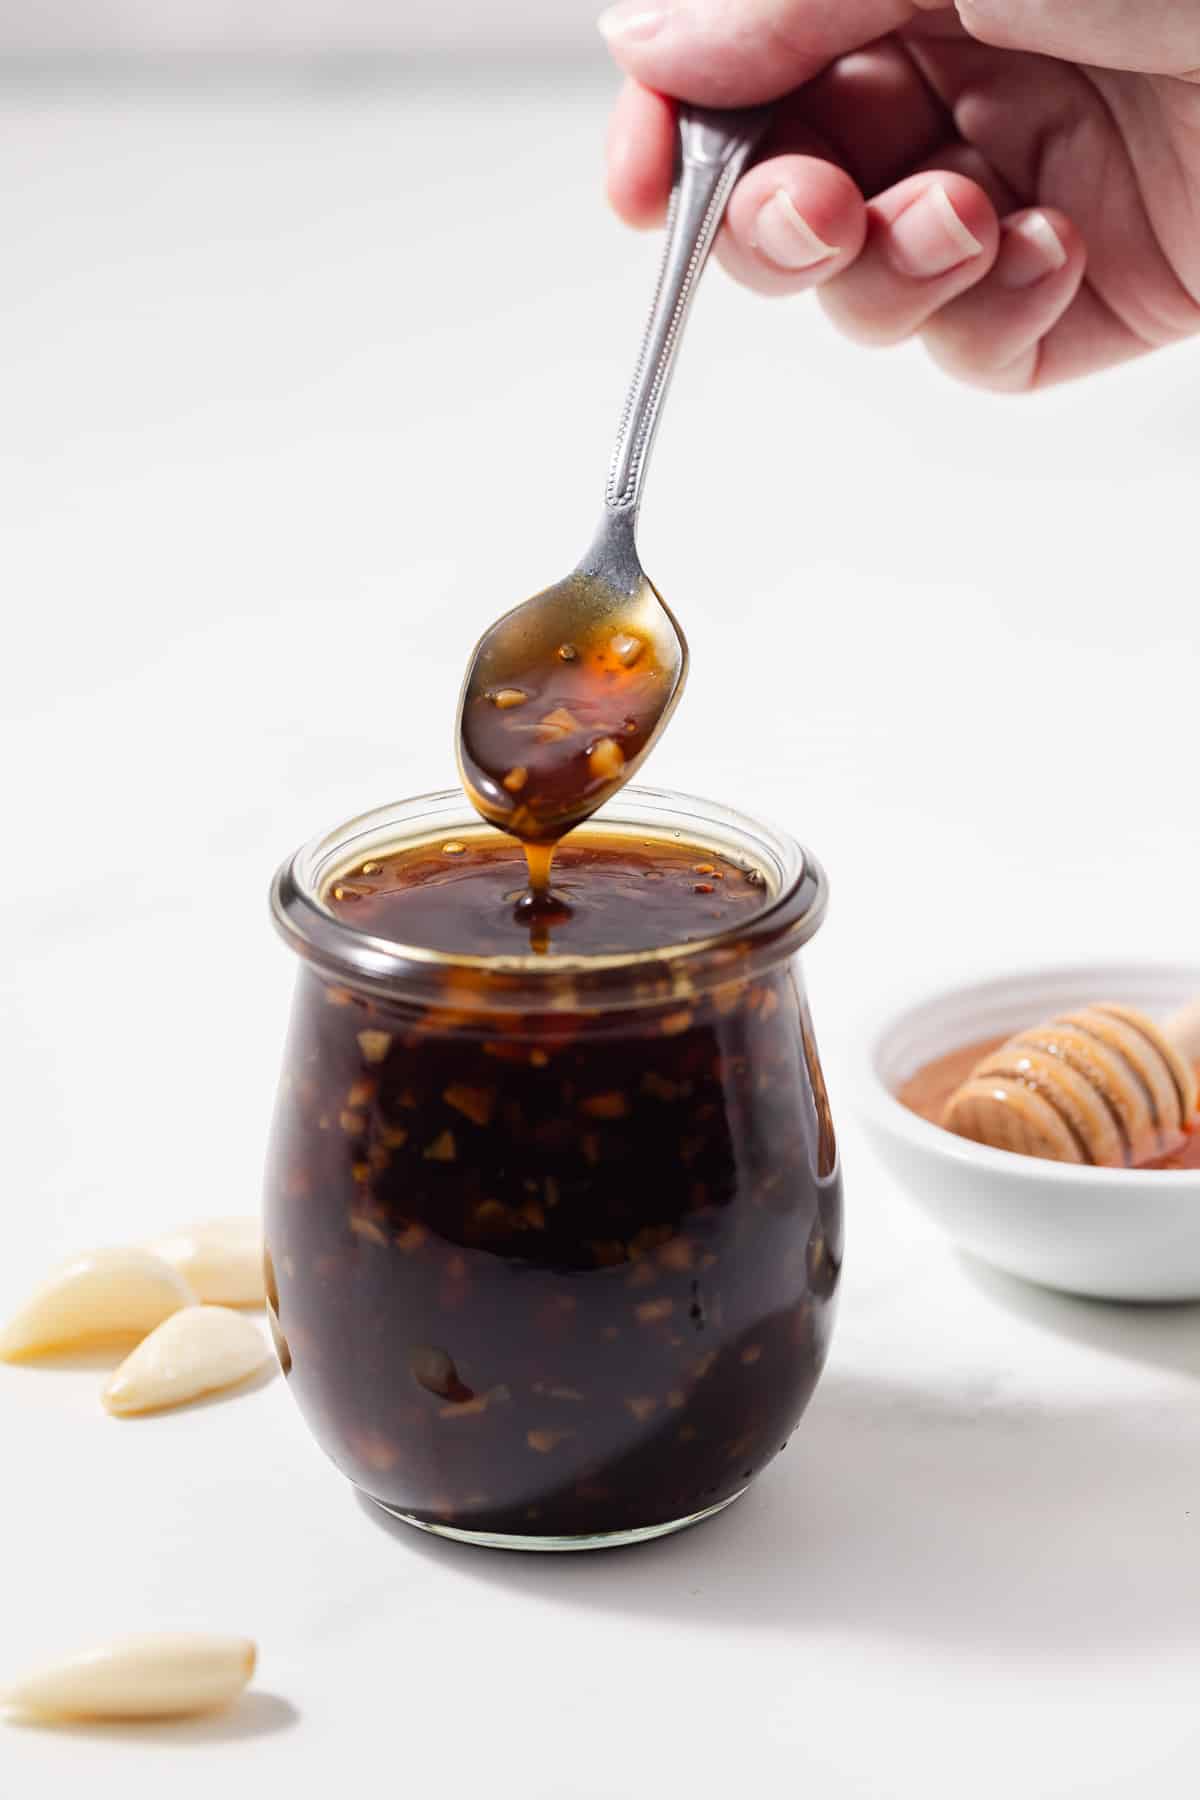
(553, 1244)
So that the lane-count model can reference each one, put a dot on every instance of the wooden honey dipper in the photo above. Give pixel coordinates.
(1101, 1085)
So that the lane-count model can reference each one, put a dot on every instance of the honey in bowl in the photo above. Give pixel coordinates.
(928, 1092)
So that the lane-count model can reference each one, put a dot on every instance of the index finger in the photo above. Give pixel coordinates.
(641, 155)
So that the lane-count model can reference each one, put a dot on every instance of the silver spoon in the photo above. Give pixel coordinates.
(567, 693)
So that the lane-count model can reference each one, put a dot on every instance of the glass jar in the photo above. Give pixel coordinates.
(553, 1241)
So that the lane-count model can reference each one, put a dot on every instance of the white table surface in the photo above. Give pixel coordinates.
(301, 383)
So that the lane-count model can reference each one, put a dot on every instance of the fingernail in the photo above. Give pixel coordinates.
(1032, 249)
(785, 237)
(630, 22)
(929, 238)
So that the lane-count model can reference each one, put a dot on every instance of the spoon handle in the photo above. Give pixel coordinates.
(714, 147)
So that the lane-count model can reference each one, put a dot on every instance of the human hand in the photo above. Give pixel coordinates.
(1015, 181)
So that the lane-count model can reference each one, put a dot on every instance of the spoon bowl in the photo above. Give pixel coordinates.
(567, 693)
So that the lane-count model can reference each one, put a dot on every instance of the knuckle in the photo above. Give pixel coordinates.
(873, 331)
(967, 363)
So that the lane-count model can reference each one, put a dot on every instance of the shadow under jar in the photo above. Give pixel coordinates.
(553, 1241)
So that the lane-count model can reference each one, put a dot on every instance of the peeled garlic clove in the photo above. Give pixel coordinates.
(101, 1295)
(155, 1676)
(193, 1352)
(220, 1259)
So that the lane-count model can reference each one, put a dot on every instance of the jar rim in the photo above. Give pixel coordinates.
(342, 953)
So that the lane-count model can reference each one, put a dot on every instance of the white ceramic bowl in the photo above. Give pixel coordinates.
(1116, 1234)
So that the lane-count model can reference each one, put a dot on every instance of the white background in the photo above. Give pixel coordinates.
(295, 26)
(303, 382)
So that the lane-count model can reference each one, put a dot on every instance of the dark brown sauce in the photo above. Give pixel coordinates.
(555, 734)
(927, 1092)
(611, 895)
(563, 1272)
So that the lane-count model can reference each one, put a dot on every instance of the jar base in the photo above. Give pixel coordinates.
(601, 1540)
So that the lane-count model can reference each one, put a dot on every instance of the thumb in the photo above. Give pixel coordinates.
(738, 52)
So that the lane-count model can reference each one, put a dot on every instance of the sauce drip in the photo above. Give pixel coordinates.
(539, 908)
(563, 701)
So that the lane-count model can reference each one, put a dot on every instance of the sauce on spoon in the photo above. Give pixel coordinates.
(564, 699)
